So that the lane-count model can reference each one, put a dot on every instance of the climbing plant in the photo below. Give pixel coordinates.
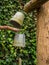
(9, 54)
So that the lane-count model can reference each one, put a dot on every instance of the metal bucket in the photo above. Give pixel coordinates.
(19, 40)
(17, 19)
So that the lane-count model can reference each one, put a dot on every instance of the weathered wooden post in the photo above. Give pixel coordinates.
(43, 35)
(42, 31)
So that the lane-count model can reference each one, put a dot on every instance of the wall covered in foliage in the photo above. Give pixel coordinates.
(9, 54)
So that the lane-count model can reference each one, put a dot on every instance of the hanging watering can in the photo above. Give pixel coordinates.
(19, 40)
(17, 19)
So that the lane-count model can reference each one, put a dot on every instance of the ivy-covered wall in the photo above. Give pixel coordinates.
(9, 54)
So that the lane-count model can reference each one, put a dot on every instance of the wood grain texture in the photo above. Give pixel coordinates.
(43, 35)
(33, 4)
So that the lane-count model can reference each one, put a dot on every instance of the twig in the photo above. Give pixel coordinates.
(9, 28)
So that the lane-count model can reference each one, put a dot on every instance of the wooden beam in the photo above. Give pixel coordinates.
(43, 35)
(33, 4)
(9, 28)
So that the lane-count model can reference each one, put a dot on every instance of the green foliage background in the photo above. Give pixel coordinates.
(9, 54)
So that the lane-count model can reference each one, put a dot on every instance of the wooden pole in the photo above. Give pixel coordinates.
(43, 35)
(20, 61)
(9, 28)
